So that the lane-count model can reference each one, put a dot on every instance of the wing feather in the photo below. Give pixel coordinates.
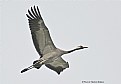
(58, 65)
(30, 14)
(40, 33)
(39, 12)
(34, 13)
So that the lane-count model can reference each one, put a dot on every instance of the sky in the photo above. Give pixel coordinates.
(92, 23)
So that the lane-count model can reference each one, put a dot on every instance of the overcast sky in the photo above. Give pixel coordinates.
(94, 23)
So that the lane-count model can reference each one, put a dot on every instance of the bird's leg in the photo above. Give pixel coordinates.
(26, 69)
(36, 64)
(78, 48)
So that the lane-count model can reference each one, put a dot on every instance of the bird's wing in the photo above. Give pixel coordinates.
(58, 65)
(40, 34)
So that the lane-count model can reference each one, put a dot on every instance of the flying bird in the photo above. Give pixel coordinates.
(50, 55)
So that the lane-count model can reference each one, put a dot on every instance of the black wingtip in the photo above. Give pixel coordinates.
(29, 17)
(24, 70)
(34, 6)
(31, 8)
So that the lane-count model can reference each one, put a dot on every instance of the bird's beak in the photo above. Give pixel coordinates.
(82, 47)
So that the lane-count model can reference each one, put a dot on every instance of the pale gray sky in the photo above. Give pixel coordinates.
(93, 23)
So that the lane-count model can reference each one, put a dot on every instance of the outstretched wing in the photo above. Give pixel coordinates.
(40, 34)
(58, 65)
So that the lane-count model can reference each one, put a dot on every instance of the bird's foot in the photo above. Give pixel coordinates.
(36, 64)
(35, 61)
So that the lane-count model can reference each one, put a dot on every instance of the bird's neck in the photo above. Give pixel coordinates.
(66, 52)
(78, 48)
(72, 50)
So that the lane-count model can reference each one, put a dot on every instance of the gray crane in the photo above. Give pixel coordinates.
(50, 56)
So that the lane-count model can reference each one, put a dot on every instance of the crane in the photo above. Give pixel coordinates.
(50, 56)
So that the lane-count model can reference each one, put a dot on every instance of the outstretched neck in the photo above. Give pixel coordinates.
(78, 48)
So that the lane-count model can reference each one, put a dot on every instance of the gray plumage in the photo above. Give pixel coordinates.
(50, 56)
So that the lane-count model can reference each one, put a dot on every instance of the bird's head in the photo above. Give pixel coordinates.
(81, 47)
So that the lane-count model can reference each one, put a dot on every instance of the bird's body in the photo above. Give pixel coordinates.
(49, 57)
(49, 54)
